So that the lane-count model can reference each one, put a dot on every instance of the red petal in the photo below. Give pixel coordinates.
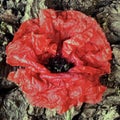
(62, 95)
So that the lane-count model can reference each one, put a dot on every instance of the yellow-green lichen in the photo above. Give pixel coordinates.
(32, 9)
(111, 114)
(27, 10)
(3, 27)
(50, 113)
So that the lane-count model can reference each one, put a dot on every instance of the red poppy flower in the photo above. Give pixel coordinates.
(62, 56)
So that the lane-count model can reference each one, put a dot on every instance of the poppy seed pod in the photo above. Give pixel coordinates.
(63, 54)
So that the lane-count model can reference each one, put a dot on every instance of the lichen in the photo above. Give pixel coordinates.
(111, 114)
(32, 8)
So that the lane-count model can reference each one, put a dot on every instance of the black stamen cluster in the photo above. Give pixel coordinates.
(58, 64)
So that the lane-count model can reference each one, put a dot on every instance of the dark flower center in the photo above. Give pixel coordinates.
(58, 64)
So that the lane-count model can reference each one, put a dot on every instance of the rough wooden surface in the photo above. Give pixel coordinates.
(13, 104)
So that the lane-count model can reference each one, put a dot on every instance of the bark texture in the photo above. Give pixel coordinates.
(13, 104)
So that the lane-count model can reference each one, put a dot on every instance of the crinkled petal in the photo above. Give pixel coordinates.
(60, 96)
